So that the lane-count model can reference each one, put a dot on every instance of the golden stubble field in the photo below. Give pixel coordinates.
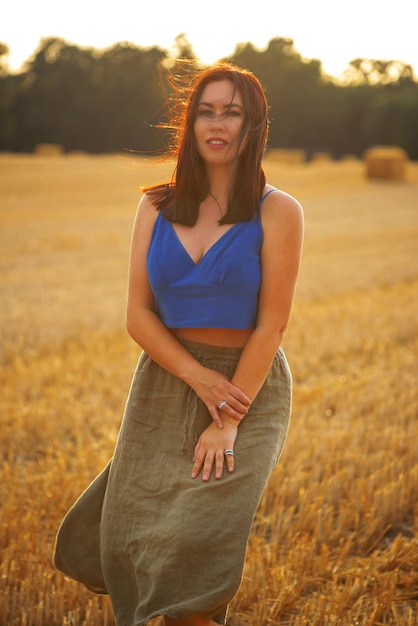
(335, 540)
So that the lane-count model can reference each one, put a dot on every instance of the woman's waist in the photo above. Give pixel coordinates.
(225, 337)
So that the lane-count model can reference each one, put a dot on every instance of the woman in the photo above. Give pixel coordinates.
(213, 268)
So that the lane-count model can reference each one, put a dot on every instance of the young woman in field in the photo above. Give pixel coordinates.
(214, 261)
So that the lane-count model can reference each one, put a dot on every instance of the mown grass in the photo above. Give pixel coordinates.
(334, 541)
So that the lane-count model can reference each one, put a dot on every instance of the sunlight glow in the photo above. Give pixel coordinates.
(320, 30)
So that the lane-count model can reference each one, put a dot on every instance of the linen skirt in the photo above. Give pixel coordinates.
(162, 543)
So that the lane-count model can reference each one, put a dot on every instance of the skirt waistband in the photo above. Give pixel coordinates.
(198, 349)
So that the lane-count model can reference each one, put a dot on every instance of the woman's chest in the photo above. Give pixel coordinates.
(200, 238)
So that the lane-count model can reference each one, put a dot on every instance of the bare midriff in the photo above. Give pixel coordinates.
(226, 337)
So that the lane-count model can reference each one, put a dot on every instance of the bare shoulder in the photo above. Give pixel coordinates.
(280, 209)
(146, 214)
(147, 208)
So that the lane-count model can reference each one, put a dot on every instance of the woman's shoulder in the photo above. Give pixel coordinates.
(278, 204)
(282, 221)
(146, 214)
(150, 205)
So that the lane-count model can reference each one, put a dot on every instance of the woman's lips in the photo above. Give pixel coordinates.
(216, 142)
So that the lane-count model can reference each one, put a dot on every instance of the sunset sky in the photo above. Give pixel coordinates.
(328, 30)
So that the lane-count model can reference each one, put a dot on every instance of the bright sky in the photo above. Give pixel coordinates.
(329, 30)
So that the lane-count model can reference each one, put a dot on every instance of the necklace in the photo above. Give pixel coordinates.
(217, 203)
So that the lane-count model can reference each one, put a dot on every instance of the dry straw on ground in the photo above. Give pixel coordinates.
(334, 541)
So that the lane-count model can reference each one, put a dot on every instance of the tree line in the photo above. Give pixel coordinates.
(111, 100)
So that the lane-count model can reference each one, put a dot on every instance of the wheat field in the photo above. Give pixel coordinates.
(335, 539)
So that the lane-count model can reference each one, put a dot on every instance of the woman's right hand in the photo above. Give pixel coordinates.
(213, 388)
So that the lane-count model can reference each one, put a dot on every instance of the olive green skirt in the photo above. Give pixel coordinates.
(158, 541)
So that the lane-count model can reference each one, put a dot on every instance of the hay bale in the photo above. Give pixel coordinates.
(321, 156)
(385, 162)
(284, 155)
(49, 149)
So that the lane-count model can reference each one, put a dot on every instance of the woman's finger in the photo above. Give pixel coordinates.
(229, 459)
(215, 413)
(207, 466)
(197, 462)
(233, 410)
(239, 396)
(219, 464)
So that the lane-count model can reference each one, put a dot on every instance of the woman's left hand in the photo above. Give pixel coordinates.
(209, 450)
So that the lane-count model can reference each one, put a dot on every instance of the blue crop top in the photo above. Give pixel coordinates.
(220, 291)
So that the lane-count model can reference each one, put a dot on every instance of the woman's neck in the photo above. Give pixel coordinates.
(219, 187)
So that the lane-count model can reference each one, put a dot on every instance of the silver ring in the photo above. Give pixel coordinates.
(229, 452)
(222, 404)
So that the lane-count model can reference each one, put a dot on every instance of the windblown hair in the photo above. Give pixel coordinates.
(180, 199)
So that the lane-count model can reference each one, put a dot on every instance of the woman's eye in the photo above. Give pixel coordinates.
(207, 114)
(211, 115)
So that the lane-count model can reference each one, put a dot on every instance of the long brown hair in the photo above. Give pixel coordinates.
(180, 199)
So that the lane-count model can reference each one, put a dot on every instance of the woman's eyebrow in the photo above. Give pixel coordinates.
(225, 106)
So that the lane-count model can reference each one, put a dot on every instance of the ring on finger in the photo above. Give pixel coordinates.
(222, 404)
(229, 452)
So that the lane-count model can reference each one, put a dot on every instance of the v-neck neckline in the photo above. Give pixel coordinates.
(215, 243)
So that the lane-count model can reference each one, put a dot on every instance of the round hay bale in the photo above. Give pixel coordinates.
(49, 149)
(385, 162)
(286, 155)
(321, 156)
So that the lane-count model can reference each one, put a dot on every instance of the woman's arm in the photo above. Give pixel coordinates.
(282, 220)
(153, 336)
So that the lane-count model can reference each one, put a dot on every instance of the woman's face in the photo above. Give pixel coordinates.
(218, 123)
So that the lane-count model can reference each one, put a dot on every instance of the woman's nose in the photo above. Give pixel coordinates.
(217, 121)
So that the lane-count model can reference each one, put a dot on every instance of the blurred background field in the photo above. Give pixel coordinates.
(335, 539)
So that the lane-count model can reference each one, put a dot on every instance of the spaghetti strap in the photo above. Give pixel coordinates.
(265, 196)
